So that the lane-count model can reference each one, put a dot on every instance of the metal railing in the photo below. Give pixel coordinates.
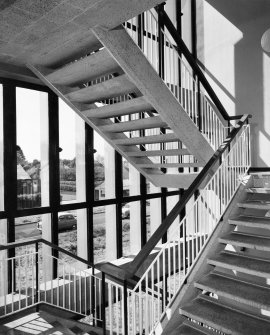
(33, 275)
(159, 285)
(161, 51)
(146, 301)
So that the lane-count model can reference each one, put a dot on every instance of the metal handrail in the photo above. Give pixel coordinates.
(209, 168)
(182, 48)
(13, 245)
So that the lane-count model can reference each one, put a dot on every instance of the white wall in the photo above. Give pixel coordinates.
(229, 45)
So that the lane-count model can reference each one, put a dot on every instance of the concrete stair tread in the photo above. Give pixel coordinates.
(246, 240)
(85, 69)
(169, 152)
(169, 165)
(108, 89)
(148, 123)
(128, 107)
(179, 180)
(256, 204)
(250, 265)
(263, 190)
(236, 289)
(192, 328)
(164, 138)
(224, 319)
(251, 221)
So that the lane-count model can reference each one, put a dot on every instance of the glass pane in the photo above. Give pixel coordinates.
(131, 179)
(150, 188)
(99, 232)
(67, 232)
(32, 148)
(127, 212)
(104, 188)
(72, 155)
(28, 226)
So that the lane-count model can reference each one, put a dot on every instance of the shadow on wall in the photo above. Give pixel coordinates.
(238, 67)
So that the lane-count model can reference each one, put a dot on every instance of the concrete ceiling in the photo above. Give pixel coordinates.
(44, 31)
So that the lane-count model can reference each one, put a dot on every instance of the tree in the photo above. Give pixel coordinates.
(21, 157)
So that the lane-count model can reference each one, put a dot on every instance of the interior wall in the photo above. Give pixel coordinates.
(229, 48)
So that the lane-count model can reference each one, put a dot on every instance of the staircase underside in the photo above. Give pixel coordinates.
(47, 33)
(112, 86)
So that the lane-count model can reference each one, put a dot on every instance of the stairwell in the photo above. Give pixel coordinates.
(233, 294)
(119, 93)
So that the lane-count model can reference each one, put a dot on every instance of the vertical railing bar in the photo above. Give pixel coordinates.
(38, 277)
(12, 282)
(19, 279)
(57, 289)
(146, 302)
(26, 278)
(64, 285)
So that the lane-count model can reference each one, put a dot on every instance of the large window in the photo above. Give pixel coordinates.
(71, 187)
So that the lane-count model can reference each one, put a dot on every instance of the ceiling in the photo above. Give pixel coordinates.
(44, 31)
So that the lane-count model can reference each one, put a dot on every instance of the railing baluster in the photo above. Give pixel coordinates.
(197, 226)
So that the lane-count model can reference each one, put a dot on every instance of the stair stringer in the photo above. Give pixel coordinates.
(134, 63)
(188, 291)
(155, 175)
(109, 137)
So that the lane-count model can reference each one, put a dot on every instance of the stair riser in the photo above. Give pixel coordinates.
(250, 224)
(232, 297)
(244, 245)
(239, 268)
(251, 206)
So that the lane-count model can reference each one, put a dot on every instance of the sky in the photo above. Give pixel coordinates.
(29, 125)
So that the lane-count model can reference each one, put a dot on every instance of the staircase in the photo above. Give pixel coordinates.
(234, 297)
(118, 92)
(47, 321)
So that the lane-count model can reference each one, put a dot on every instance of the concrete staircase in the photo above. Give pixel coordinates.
(49, 320)
(113, 87)
(234, 297)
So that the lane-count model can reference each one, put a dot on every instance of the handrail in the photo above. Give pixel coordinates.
(182, 48)
(162, 229)
(13, 245)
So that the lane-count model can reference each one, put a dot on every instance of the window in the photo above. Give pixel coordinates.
(72, 155)
(32, 148)
(99, 169)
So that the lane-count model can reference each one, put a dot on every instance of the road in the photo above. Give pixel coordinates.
(30, 229)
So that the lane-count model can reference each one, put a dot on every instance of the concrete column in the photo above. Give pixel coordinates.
(155, 210)
(3, 223)
(110, 211)
(44, 178)
(1, 152)
(80, 187)
(135, 211)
